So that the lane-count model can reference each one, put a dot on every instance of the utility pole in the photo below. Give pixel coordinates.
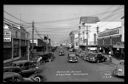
(97, 28)
(79, 36)
(20, 40)
(32, 38)
(87, 36)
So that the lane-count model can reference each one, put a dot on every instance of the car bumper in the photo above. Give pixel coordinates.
(118, 73)
(73, 61)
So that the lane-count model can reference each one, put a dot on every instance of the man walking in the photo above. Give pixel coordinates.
(110, 57)
(39, 60)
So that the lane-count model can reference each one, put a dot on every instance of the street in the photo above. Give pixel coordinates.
(61, 71)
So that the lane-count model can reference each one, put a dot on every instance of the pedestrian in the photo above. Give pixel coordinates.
(110, 57)
(39, 60)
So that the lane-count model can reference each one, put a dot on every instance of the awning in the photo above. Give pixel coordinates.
(118, 46)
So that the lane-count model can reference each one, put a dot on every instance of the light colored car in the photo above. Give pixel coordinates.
(119, 69)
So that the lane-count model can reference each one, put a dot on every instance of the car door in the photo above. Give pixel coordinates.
(28, 71)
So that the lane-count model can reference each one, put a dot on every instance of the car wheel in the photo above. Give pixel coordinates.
(37, 79)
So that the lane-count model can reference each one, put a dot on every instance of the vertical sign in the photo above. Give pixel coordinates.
(7, 35)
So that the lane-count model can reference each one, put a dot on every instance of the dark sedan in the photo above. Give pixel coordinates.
(14, 74)
(61, 53)
(29, 69)
(95, 57)
(72, 58)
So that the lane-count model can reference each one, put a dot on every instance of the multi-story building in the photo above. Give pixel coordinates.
(74, 39)
(16, 42)
(86, 34)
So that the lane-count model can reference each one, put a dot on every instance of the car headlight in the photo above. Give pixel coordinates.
(120, 69)
(37, 67)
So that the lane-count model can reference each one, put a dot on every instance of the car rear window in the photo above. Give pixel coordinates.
(7, 70)
(122, 63)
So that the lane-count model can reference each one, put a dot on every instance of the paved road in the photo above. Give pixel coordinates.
(61, 71)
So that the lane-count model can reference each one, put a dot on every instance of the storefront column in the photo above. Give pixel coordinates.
(12, 48)
(20, 47)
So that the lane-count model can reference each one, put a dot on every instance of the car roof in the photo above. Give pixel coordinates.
(72, 54)
(10, 74)
(21, 61)
(8, 67)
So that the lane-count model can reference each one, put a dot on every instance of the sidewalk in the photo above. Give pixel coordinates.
(115, 61)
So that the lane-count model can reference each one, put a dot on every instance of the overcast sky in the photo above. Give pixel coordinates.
(58, 20)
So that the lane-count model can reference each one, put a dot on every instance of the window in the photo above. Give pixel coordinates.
(7, 53)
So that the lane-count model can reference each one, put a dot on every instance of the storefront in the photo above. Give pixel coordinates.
(14, 47)
(108, 39)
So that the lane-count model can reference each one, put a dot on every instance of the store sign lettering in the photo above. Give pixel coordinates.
(7, 36)
(109, 33)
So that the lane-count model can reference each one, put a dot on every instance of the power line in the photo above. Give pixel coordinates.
(113, 12)
(14, 17)
(38, 33)
(69, 19)
(12, 22)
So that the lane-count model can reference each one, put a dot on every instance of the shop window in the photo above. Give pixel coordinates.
(15, 52)
(7, 52)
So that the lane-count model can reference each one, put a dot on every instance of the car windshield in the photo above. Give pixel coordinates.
(16, 70)
(7, 70)
(91, 54)
(73, 57)
(99, 55)
(72, 54)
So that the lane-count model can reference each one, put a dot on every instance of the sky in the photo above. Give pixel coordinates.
(59, 20)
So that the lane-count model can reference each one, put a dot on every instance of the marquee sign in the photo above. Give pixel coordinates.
(89, 19)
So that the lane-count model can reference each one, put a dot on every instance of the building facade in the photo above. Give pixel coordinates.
(111, 40)
(16, 42)
(74, 39)
(87, 31)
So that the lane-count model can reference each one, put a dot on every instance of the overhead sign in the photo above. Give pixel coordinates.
(112, 32)
(89, 19)
(7, 36)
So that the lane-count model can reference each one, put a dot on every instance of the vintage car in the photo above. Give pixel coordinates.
(29, 69)
(12, 77)
(71, 50)
(72, 58)
(119, 69)
(95, 57)
(13, 74)
(48, 57)
(61, 53)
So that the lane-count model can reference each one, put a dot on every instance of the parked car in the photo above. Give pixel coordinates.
(14, 74)
(61, 53)
(83, 54)
(95, 57)
(71, 50)
(29, 69)
(12, 77)
(48, 57)
(72, 58)
(119, 69)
